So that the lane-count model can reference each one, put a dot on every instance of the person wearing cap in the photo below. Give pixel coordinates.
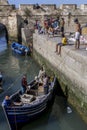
(24, 84)
(77, 33)
(7, 101)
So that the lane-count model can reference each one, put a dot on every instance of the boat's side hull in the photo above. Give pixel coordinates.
(18, 51)
(25, 113)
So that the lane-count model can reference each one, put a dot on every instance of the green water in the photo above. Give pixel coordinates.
(55, 118)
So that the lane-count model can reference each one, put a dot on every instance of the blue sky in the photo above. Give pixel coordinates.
(58, 2)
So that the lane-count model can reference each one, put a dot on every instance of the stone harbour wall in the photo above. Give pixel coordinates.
(70, 68)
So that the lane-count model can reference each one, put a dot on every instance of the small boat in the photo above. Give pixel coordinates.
(20, 49)
(29, 105)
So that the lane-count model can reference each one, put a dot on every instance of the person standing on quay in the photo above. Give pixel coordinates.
(62, 23)
(77, 33)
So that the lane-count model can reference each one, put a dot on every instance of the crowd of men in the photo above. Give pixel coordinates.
(50, 26)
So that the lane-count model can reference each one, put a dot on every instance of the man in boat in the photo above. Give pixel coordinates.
(24, 84)
(7, 101)
(46, 84)
(41, 74)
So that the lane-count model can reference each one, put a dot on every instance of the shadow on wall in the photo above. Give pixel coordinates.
(59, 90)
(3, 32)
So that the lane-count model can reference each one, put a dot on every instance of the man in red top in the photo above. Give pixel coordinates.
(24, 84)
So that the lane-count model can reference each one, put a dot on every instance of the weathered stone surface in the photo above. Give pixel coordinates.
(70, 67)
(4, 2)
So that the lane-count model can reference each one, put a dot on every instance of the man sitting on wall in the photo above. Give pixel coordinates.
(59, 45)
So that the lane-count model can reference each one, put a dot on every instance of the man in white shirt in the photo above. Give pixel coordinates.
(41, 73)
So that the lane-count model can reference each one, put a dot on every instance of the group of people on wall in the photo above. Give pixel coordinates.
(53, 26)
(64, 40)
(50, 26)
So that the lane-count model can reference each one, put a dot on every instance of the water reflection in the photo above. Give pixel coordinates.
(14, 63)
(57, 119)
(13, 67)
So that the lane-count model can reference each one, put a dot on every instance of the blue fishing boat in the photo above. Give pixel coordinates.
(25, 107)
(20, 49)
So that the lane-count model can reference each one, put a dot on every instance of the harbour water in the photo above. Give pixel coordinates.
(3, 44)
(56, 117)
